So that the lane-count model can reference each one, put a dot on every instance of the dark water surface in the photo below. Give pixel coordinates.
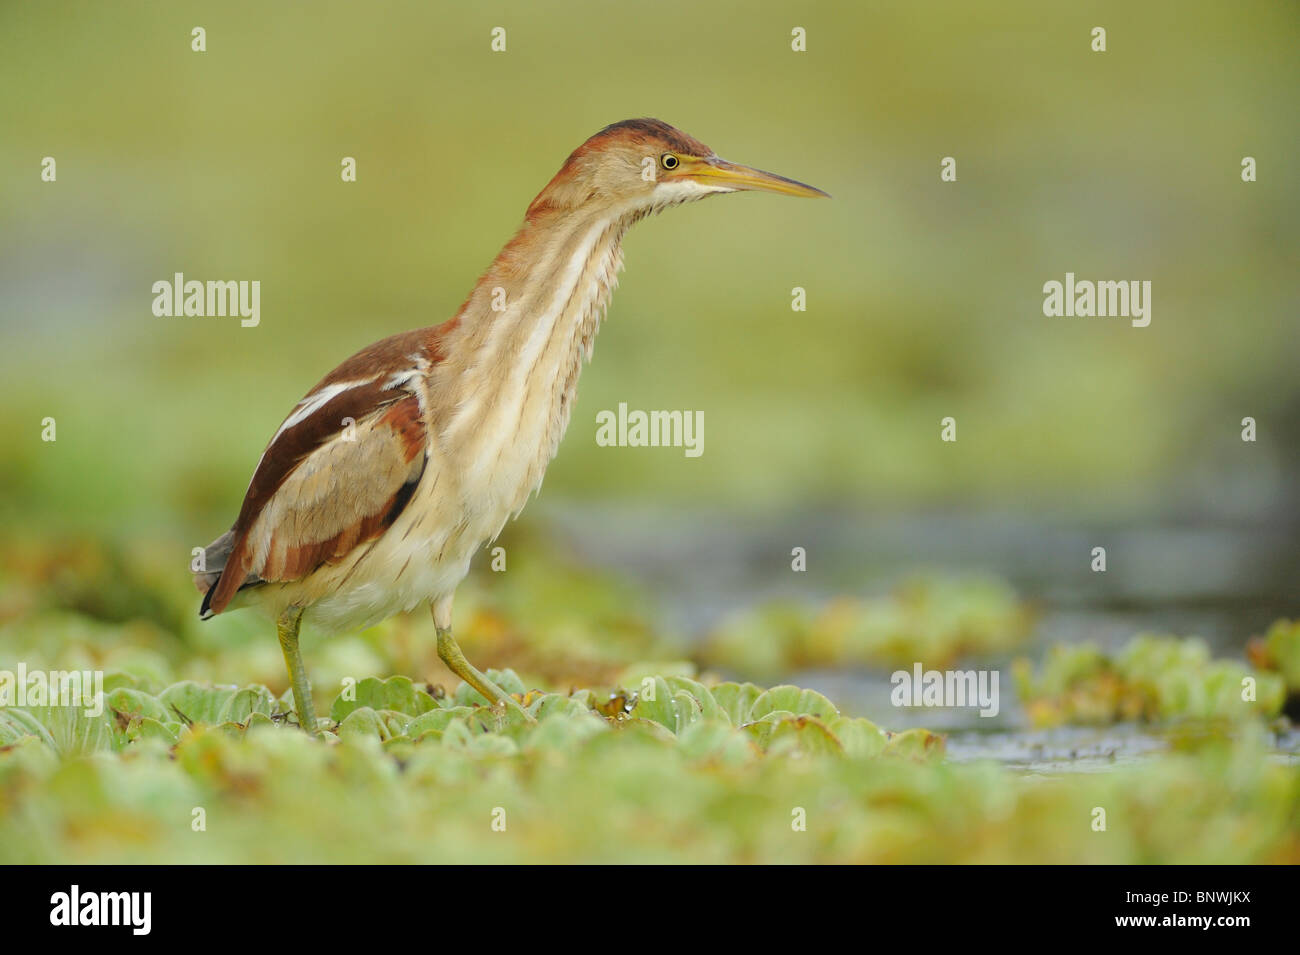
(1224, 580)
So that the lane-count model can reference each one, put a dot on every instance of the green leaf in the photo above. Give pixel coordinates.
(687, 710)
(557, 704)
(247, 702)
(434, 722)
(655, 703)
(457, 734)
(718, 740)
(118, 680)
(383, 724)
(782, 732)
(564, 732)
(16, 723)
(397, 693)
(915, 744)
(133, 703)
(861, 739)
(213, 705)
(147, 728)
(794, 700)
(492, 745)
(736, 700)
(709, 707)
(636, 725)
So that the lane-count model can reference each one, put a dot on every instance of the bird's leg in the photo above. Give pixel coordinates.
(450, 654)
(287, 627)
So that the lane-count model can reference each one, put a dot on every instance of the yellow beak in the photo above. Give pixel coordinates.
(717, 171)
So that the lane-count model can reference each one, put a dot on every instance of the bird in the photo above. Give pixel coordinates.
(382, 483)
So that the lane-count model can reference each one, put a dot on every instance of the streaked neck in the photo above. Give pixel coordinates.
(513, 357)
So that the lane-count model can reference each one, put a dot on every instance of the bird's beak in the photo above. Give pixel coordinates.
(715, 171)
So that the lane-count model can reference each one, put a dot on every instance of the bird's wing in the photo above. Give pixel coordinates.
(336, 475)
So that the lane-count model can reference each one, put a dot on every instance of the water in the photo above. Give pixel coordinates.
(1223, 580)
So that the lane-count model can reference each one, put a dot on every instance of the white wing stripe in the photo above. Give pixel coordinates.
(314, 402)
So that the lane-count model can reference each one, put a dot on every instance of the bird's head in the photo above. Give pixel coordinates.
(640, 166)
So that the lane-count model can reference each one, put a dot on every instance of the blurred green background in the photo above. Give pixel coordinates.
(821, 427)
(924, 298)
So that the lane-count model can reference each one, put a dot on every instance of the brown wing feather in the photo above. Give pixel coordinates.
(333, 480)
(345, 493)
(371, 365)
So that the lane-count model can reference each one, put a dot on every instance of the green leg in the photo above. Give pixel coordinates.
(449, 652)
(287, 627)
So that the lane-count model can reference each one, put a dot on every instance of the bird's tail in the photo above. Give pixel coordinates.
(215, 556)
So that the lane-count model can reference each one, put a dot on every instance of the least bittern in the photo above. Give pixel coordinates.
(404, 460)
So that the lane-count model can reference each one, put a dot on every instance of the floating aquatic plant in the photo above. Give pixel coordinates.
(664, 770)
(1151, 678)
(935, 622)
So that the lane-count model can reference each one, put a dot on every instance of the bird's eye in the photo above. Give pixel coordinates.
(669, 161)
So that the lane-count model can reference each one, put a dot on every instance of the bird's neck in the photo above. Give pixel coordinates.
(512, 354)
